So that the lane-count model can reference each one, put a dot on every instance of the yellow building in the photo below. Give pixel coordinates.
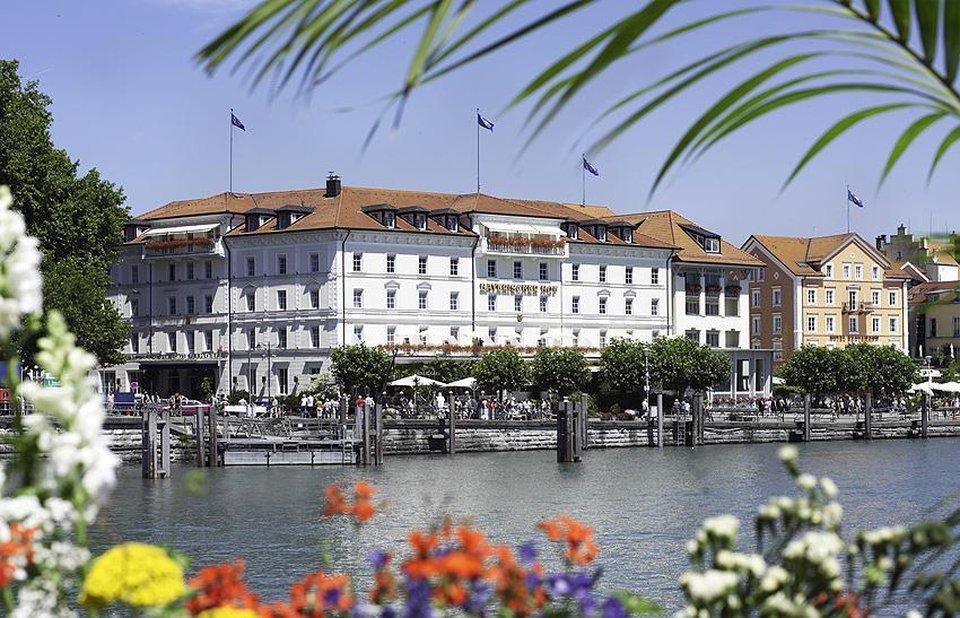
(825, 290)
(935, 319)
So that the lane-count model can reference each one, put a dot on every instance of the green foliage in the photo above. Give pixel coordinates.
(444, 370)
(359, 369)
(912, 67)
(78, 218)
(321, 385)
(623, 371)
(813, 369)
(501, 370)
(855, 369)
(679, 363)
(76, 288)
(561, 370)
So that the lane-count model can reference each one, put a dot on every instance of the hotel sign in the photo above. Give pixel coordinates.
(522, 289)
(177, 356)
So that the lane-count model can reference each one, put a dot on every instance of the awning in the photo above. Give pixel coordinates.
(522, 228)
(181, 229)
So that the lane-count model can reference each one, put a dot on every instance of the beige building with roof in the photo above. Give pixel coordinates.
(826, 290)
(255, 290)
(926, 259)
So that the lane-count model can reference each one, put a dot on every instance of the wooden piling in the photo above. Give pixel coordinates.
(806, 417)
(697, 437)
(660, 420)
(565, 431)
(451, 425)
(363, 423)
(868, 417)
(164, 468)
(198, 437)
(148, 462)
(576, 446)
(213, 454)
(925, 416)
(378, 436)
(584, 416)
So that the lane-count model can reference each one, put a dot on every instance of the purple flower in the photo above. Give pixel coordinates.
(378, 559)
(558, 585)
(331, 596)
(527, 553)
(478, 599)
(613, 608)
(418, 600)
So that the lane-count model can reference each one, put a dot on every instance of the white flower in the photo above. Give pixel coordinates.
(806, 482)
(881, 536)
(748, 563)
(722, 527)
(708, 586)
(770, 512)
(774, 579)
(832, 514)
(788, 454)
(20, 282)
(829, 487)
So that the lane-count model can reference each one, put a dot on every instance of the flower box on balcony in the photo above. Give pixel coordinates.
(713, 289)
(694, 288)
(733, 289)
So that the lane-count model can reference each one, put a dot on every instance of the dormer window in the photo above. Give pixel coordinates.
(389, 220)
(707, 240)
(420, 220)
(283, 220)
(600, 232)
(571, 229)
(453, 223)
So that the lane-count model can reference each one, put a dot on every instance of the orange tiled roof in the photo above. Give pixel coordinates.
(802, 255)
(922, 292)
(345, 211)
(665, 226)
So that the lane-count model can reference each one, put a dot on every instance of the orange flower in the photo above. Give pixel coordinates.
(361, 509)
(16, 553)
(384, 583)
(581, 549)
(318, 594)
(221, 586)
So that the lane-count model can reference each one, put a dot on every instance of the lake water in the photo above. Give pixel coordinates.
(644, 503)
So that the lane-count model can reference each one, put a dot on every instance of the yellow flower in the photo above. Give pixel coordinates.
(228, 612)
(136, 574)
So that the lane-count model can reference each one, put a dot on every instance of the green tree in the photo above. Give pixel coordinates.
(813, 369)
(75, 286)
(562, 370)
(360, 369)
(501, 370)
(623, 371)
(879, 370)
(679, 363)
(908, 60)
(78, 218)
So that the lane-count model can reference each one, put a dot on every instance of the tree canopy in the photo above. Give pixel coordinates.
(857, 368)
(357, 368)
(78, 217)
(501, 370)
(679, 363)
(561, 370)
(812, 369)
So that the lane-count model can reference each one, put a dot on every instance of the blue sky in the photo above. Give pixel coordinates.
(129, 100)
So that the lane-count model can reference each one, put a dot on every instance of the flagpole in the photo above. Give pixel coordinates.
(583, 181)
(477, 122)
(848, 209)
(231, 149)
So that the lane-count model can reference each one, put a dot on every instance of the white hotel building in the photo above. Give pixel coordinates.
(246, 288)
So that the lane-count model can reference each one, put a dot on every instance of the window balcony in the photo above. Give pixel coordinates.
(858, 307)
(524, 244)
(183, 245)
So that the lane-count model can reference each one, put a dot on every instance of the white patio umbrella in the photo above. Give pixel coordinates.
(923, 387)
(947, 387)
(464, 383)
(415, 381)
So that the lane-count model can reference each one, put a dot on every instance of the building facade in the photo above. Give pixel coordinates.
(927, 259)
(253, 291)
(935, 320)
(829, 291)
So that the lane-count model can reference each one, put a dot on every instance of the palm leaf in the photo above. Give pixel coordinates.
(928, 20)
(951, 38)
(910, 134)
(945, 145)
(900, 9)
(839, 128)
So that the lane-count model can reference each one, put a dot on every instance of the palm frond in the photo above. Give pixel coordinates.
(905, 49)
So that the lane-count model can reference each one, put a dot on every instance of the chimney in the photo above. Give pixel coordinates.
(333, 185)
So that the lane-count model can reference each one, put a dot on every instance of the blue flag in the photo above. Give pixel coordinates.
(236, 122)
(589, 167)
(853, 198)
(483, 122)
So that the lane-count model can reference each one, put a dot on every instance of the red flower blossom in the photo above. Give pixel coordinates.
(580, 548)
(221, 586)
(361, 509)
(16, 553)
